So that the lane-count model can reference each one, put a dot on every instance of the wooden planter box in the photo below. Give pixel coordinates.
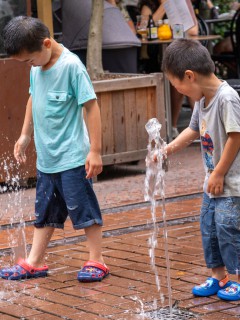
(126, 105)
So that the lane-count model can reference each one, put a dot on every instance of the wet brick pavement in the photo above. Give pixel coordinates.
(130, 292)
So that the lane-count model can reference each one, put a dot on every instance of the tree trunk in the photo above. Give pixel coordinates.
(94, 49)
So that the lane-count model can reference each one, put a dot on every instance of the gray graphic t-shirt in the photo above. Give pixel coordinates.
(214, 121)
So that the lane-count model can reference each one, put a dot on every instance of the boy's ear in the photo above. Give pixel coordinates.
(189, 74)
(47, 43)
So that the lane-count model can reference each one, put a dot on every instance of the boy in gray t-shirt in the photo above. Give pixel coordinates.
(216, 119)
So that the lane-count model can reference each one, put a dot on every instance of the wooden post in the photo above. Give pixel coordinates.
(44, 8)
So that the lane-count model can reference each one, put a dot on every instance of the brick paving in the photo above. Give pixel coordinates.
(130, 292)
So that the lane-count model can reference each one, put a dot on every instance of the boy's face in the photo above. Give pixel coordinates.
(36, 58)
(188, 86)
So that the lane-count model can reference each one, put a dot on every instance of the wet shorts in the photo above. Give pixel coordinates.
(66, 193)
(220, 227)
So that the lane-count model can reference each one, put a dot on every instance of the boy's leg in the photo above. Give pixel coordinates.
(94, 238)
(33, 267)
(228, 222)
(83, 208)
(219, 273)
(94, 269)
(84, 212)
(50, 211)
(41, 238)
(212, 253)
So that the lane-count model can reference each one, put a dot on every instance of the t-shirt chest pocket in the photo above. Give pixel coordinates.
(56, 104)
(56, 96)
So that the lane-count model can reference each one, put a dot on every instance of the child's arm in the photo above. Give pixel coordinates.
(231, 149)
(25, 137)
(93, 164)
(186, 137)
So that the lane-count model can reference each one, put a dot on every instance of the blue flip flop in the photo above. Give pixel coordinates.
(210, 287)
(231, 293)
(23, 270)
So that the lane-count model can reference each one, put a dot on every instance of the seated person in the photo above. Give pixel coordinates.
(119, 4)
(156, 8)
(119, 43)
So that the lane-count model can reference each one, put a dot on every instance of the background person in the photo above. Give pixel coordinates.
(153, 64)
(119, 44)
(120, 5)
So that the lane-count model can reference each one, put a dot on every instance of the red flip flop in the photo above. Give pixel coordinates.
(93, 271)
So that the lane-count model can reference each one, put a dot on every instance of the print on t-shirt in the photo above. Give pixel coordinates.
(207, 146)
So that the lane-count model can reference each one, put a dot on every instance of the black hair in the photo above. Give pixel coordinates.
(24, 34)
(187, 54)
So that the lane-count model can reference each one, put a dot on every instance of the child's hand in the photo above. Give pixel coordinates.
(155, 159)
(20, 148)
(215, 184)
(164, 155)
(93, 164)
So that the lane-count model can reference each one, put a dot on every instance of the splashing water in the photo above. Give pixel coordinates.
(142, 314)
(155, 186)
(14, 210)
(12, 219)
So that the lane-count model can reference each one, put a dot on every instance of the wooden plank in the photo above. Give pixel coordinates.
(126, 83)
(119, 121)
(122, 157)
(160, 107)
(107, 123)
(151, 103)
(141, 107)
(44, 8)
(130, 119)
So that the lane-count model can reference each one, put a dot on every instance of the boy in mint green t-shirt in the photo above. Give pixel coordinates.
(59, 89)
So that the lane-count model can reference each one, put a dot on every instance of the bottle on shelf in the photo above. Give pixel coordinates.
(152, 29)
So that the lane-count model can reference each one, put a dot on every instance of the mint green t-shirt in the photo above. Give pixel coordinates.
(58, 94)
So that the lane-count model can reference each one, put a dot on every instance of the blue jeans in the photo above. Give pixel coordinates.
(220, 228)
(66, 193)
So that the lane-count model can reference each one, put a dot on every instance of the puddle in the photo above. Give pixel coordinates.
(164, 314)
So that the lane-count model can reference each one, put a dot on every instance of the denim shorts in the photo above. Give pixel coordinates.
(220, 228)
(66, 193)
